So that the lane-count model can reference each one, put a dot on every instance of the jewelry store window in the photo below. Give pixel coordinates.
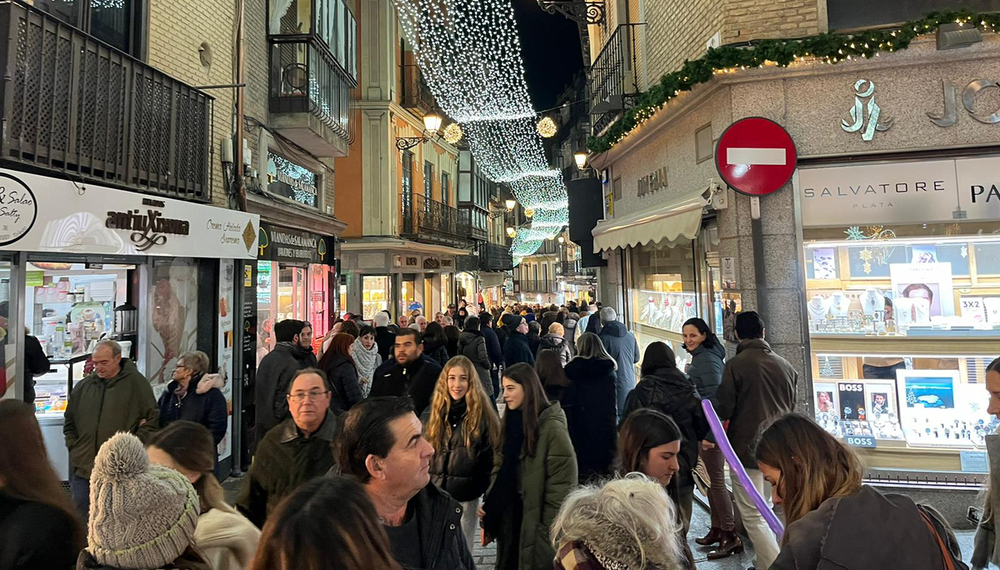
(904, 317)
(664, 293)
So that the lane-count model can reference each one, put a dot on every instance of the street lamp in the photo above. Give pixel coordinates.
(562, 240)
(432, 124)
(511, 232)
(581, 160)
(510, 203)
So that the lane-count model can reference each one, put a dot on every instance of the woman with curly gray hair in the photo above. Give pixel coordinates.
(625, 524)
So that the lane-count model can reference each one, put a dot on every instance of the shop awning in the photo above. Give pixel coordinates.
(672, 221)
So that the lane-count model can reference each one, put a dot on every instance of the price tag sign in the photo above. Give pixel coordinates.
(860, 441)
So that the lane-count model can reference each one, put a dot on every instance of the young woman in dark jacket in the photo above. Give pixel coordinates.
(338, 365)
(666, 389)
(436, 343)
(833, 520)
(464, 430)
(39, 526)
(193, 397)
(472, 345)
(453, 334)
(517, 349)
(591, 407)
(705, 372)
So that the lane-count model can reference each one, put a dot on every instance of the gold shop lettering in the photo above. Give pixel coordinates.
(652, 182)
(950, 115)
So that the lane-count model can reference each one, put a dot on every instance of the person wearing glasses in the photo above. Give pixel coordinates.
(294, 451)
(194, 395)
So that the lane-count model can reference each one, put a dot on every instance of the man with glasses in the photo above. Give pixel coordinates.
(295, 450)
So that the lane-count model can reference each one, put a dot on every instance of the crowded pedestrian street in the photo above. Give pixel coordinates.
(499, 285)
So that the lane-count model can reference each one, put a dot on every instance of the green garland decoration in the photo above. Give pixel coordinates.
(830, 47)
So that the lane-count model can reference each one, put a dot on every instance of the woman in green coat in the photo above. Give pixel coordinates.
(535, 470)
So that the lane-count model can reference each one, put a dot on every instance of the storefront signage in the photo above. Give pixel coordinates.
(43, 214)
(860, 441)
(866, 115)
(902, 192)
(657, 180)
(950, 115)
(728, 265)
(294, 246)
(290, 180)
(756, 156)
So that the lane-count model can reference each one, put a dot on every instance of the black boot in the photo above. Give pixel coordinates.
(729, 545)
(714, 536)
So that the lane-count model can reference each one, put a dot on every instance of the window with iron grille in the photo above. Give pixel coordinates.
(445, 188)
(428, 181)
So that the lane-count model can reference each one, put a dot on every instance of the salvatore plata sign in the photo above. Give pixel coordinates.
(43, 214)
(901, 192)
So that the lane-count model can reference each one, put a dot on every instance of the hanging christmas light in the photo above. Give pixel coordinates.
(453, 133)
(470, 55)
(547, 127)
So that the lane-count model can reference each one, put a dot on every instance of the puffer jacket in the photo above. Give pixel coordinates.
(343, 377)
(547, 477)
(557, 343)
(99, 408)
(472, 345)
(591, 413)
(706, 370)
(463, 471)
(669, 391)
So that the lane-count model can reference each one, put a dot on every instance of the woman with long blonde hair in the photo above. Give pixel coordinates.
(835, 520)
(464, 430)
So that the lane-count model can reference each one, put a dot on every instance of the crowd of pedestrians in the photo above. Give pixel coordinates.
(405, 446)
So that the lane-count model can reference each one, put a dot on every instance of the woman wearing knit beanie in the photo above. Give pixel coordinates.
(142, 516)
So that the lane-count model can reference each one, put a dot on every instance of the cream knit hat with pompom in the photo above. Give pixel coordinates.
(141, 516)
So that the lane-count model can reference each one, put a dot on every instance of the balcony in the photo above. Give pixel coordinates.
(475, 232)
(614, 81)
(574, 272)
(495, 258)
(310, 96)
(431, 221)
(414, 92)
(76, 106)
(537, 286)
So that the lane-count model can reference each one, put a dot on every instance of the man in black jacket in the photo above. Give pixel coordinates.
(292, 353)
(383, 447)
(409, 374)
(493, 349)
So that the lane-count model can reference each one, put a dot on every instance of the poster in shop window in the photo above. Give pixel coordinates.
(173, 323)
(225, 343)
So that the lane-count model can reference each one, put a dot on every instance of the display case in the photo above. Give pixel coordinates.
(375, 294)
(903, 321)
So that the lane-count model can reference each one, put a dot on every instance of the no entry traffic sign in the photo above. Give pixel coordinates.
(755, 156)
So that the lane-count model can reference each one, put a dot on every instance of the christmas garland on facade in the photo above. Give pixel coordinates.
(830, 48)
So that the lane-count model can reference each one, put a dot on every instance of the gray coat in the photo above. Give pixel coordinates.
(622, 346)
(864, 531)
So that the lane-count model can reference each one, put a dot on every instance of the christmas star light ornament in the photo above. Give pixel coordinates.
(547, 127)
(453, 133)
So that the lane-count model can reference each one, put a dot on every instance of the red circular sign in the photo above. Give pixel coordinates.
(755, 156)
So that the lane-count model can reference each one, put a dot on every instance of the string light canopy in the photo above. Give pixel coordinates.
(470, 55)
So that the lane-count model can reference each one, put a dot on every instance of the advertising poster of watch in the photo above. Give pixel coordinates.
(825, 400)
(883, 411)
(852, 401)
(928, 287)
(928, 407)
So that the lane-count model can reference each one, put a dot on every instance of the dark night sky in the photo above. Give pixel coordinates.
(550, 45)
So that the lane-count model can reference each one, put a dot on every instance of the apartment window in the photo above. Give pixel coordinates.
(703, 143)
(330, 21)
(118, 23)
(545, 275)
(407, 174)
(445, 188)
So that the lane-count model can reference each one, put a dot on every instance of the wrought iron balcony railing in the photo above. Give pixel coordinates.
(614, 79)
(428, 220)
(538, 286)
(494, 257)
(73, 104)
(305, 78)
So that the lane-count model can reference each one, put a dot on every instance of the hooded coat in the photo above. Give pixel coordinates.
(622, 346)
(204, 404)
(472, 345)
(557, 343)
(669, 391)
(706, 370)
(591, 413)
(547, 477)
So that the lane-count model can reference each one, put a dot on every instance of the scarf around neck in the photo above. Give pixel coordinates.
(366, 361)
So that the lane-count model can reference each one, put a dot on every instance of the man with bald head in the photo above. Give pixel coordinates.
(294, 451)
(114, 397)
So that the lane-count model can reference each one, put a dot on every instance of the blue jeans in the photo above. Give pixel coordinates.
(80, 489)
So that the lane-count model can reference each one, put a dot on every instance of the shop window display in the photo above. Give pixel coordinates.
(374, 295)
(901, 331)
(664, 294)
